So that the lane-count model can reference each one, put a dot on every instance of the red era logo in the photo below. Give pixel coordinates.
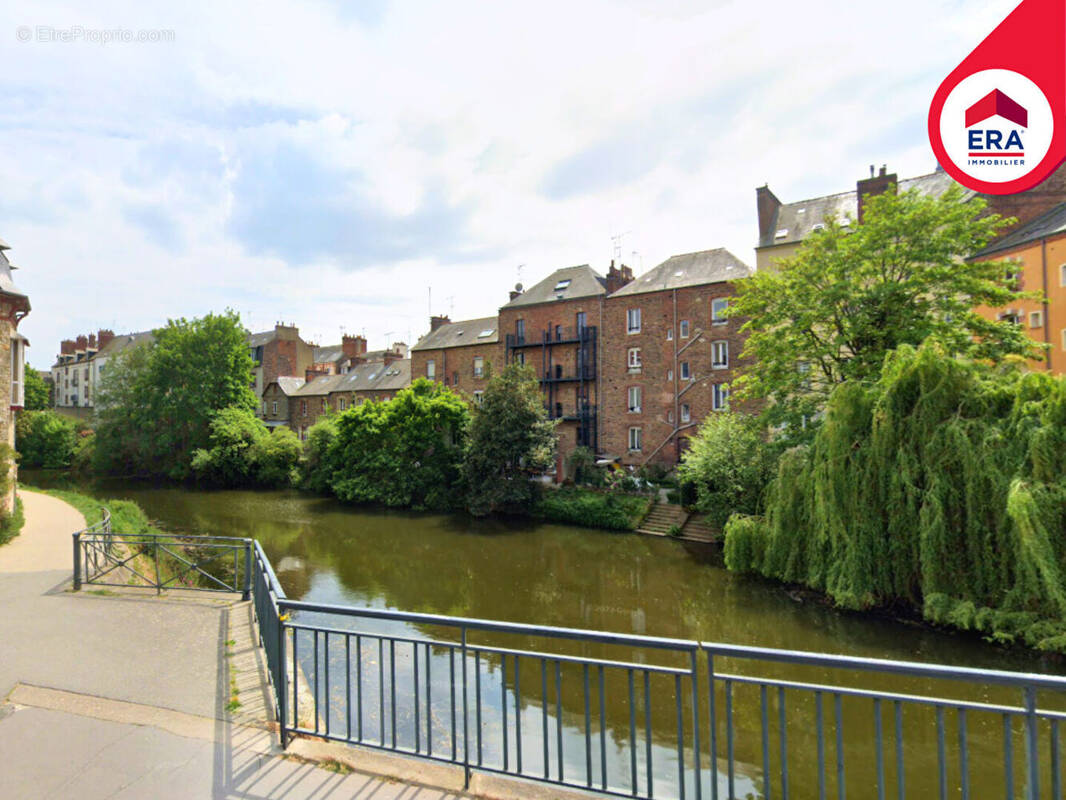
(997, 123)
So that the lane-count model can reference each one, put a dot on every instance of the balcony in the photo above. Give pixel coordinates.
(556, 335)
(585, 413)
(557, 374)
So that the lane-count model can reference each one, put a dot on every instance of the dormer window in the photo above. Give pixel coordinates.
(562, 285)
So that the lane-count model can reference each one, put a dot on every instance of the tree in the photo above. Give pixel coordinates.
(38, 397)
(729, 463)
(157, 401)
(855, 292)
(404, 452)
(511, 438)
(45, 439)
(244, 452)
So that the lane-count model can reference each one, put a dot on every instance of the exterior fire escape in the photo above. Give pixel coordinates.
(555, 377)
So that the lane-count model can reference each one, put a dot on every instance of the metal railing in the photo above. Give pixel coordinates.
(648, 717)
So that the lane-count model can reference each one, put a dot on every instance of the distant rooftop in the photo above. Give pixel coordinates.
(688, 269)
(568, 283)
(1050, 224)
(461, 333)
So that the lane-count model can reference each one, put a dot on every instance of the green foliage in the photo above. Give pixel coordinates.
(510, 439)
(318, 456)
(853, 293)
(941, 488)
(592, 509)
(243, 452)
(157, 400)
(45, 439)
(11, 524)
(405, 452)
(84, 451)
(37, 395)
(674, 530)
(729, 463)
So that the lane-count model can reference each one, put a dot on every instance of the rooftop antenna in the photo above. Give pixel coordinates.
(616, 240)
(451, 305)
(430, 301)
(637, 256)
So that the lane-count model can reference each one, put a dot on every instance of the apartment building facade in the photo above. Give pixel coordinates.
(276, 353)
(1036, 253)
(460, 355)
(325, 394)
(81, 364)
(14, 306)
(669, 355)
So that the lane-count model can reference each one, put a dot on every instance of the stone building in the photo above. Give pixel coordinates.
(554, 327)
(14, 306)
(324, 394)
(459, 354)
(784, 226)
(81, 364)
(668, 355)
(274, 408)
(1037, 254)
(277, 353)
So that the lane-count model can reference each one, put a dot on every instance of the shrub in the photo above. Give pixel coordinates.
(45, 439)
(592, 509)
(318, 467)
(244, 452)
(275, 457)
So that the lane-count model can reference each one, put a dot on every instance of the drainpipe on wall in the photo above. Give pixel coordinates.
(674, 338)
(1046, 320)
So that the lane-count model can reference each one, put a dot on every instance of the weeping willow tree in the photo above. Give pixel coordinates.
(939, 488)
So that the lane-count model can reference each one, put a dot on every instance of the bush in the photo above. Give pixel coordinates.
(317, 468)
(745, 543)
(592, 509)
(11, 524)
(729, 463)
(45, 439)
(244, 452)
(275, 457)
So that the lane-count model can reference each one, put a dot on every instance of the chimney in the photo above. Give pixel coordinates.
(389, 356)
(286, 333)
(436, 322)
(314, 372)
(81, 343)
(875, 184)
(400, 349)
(92, 341)
(768, 205)
(66, 347)
(353, 346)
(617, 278)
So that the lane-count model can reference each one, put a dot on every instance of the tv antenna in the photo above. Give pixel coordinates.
(616, 241)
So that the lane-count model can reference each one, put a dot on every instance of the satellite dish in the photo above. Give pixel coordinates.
(518, 287)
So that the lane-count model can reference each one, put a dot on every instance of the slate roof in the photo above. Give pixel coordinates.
(289, 384)
(689, 269)
(796, 221)
(322, 385)
(461, 333)
(328, 354)
(1049, 224)
(260, 339)
(124, 341)
(584, 281)
(376, 377)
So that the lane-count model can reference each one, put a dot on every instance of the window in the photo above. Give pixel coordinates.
(718, 308)
(1006, 316)
(686, 413)
(561, 285)
(274, 407)
(582, 321)
(719, 355)
(684, 329)
(720, 396)
(634, 399)
(486, 333)
(455, 379)
(343, 403)
(685, 374)
(479, 397)
(670, 417)
(669, 375)
(1062, 275)
(1036, 319)
(633, 320)
(303, 407)
(1064, 338)
(520, 330)
(431, 369)
(324, 404)
(669, 334)
(633, 360)
(636, 440)
(479, 366)
(264, 408)
(18, 367)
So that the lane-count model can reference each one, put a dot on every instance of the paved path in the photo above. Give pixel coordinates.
(124, 697)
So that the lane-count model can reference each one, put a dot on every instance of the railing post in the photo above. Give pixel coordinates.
(282, 675)
(466, 718)
(1032, 743)
(247, 570)
(155, 554)
(77, 561)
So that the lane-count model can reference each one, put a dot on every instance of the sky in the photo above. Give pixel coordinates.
(354, 166)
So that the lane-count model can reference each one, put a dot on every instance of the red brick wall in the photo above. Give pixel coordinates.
(660, 410)
(452, 360)
(286, 357)
(1028, 205)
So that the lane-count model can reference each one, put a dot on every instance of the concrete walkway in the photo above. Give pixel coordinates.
(124, 696)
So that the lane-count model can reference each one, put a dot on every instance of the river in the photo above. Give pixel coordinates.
(520, 571)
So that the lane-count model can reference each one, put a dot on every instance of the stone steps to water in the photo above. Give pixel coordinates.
(663, 517)
(697, 530)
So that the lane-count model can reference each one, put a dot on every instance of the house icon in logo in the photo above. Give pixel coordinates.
(995, 103)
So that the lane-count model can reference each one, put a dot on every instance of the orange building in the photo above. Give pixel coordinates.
(1038, 251)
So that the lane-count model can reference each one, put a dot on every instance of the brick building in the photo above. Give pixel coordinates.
(338, 359)
(277, 353)
(668, 355)
(554, 327)
(323, 394)
(784, 226)
(14, 306)
(459, 354)
(1037, 252)
(275, 408)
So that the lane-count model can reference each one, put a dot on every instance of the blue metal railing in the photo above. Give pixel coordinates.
(649, 717)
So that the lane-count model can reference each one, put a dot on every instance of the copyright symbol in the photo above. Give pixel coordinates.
(23, 33)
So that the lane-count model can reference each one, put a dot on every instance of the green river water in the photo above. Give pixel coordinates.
(564, 576)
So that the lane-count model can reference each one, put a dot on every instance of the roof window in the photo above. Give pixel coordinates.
(486, 332)
(781, 234)
(565, 282)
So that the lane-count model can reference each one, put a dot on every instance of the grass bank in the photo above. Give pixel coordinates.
(11, 524)
(576, 506)
(126, 516)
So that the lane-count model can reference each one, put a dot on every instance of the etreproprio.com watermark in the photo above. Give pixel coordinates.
(70, 34)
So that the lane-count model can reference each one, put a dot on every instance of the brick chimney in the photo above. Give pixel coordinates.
(103, 337)
(389, 356)
(436, 322)
(66, 347)
(286, 333)
(875, 184)
(81, 343)
(92, 341)
(767, 205)
(314, 372)
(400, 349)
(617, 278)
(353, 346)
